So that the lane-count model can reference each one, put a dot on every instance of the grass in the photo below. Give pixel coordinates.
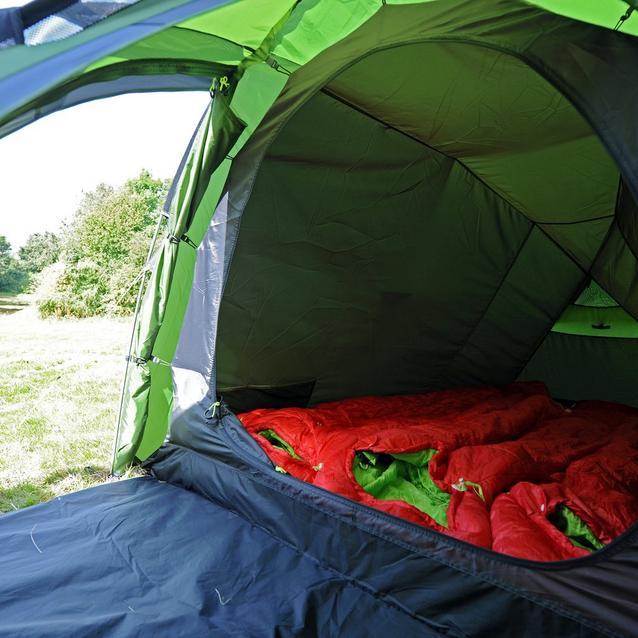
(59, 391)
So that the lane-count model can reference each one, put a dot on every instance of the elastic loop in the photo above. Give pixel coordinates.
(212, 410)
(173, 239)
(138, 361)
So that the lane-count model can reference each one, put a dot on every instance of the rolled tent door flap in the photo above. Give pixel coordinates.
(217, 134)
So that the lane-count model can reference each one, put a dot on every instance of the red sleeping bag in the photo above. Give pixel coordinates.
(523, 453)
(601, 488)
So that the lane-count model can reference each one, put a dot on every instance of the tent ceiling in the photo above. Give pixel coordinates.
(246, 23)
(505, 123)
(220, 35)
(177, 43)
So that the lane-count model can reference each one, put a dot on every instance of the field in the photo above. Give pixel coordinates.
(59, 390)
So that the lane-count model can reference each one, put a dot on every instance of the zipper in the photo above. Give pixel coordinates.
(217, 412)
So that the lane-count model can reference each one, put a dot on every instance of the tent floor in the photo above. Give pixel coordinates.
(145, 558)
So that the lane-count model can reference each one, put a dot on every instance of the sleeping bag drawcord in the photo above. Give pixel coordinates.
(463, 484)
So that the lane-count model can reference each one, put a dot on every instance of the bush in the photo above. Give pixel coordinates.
(104, 249)
(40, 251)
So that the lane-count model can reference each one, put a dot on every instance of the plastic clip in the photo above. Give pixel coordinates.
(174, 239)
(138, 361)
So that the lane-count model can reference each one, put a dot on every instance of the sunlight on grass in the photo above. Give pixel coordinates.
(59, 391)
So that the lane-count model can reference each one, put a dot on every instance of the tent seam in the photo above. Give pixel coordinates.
(504, 278)
(573, 297)
(210, 35)
(581, 221)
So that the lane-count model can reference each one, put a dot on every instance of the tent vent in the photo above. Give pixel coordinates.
(595, 297)
(70, 20)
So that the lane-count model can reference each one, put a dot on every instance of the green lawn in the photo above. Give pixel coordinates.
(59, 390)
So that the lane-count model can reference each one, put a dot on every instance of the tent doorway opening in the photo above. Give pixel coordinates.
(431, 228)
(408, 234)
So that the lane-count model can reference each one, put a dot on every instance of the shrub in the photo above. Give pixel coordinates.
(104, 248)
(41, 250)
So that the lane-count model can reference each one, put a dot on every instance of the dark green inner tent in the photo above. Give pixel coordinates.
(384, 197)
(432, 230)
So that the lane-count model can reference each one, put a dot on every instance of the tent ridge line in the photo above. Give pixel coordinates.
(574, 296)
(580, 221)
(463, 165)
(504, 278)
(212, 35)
(585, 271)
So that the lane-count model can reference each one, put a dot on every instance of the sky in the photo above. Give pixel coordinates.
(46, 166)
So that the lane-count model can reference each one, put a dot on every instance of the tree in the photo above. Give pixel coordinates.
(40, 251)
(104, 248)
(12, 277)
(6, 255)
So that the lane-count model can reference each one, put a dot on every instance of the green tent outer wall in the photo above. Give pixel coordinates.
(266, 50)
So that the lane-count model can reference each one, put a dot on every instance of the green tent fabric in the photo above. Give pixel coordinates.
(428, 187)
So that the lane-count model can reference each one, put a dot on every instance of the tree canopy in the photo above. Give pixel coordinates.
(12, 277)
(104, 247)
(40, 251)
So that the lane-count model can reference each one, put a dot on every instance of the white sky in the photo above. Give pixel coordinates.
(45, 167)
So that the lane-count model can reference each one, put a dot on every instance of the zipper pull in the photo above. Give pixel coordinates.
(217, 410)
(214, 411)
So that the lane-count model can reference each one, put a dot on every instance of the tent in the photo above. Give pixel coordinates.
(383, 197)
